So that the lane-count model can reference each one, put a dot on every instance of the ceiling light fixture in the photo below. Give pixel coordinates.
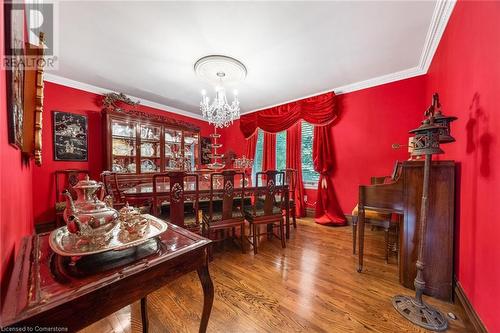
(220, 70)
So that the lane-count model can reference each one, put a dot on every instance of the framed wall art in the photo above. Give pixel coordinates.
(70, 136)
(14, 65)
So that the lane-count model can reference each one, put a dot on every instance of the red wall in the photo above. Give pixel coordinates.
(16, 206)
(466, 73)
(62, 98)
(233, 139)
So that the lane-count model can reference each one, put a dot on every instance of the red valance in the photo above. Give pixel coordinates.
(318, 110)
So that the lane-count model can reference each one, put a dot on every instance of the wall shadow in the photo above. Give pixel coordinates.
(478, 151)
(479, 137)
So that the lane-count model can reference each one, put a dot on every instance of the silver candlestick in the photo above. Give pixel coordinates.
(243, 163)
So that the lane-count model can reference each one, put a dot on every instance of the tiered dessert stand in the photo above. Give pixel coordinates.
(216, 157)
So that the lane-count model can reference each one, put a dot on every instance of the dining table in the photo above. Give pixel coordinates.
(143, 192)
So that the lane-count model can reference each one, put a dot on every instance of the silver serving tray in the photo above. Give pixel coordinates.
(65, 243)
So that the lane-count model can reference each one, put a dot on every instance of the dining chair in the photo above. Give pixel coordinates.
(115, 192)
(65, 179)
(111, 187)
(291, 180)
(225, 208)
(267, 208)
(175, 198)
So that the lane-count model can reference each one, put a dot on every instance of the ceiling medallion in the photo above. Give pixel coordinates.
(218, 70)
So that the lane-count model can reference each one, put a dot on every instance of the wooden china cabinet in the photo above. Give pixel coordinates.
(141, 143)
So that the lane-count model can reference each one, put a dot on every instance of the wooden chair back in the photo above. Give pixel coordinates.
(178, 183)
(222, 187)
(66, 179)
(111, 187)
(268, 189)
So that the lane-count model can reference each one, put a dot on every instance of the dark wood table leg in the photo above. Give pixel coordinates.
(361, 233)
(144, 314)
(208, 296)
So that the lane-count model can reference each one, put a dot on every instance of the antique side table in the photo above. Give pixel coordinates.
(45, 290)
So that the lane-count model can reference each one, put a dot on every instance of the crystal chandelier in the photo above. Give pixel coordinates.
(220, 70)
(220, 113)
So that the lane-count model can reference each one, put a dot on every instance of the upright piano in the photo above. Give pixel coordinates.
(403, 195)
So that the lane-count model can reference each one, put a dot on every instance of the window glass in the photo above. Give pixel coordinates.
(309, 176)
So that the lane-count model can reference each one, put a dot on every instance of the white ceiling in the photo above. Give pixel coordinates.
(291, 49)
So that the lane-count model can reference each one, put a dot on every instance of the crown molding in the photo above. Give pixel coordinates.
(379, 80)
(101, 91)
(439, 20)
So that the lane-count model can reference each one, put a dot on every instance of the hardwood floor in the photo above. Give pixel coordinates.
(311, 286)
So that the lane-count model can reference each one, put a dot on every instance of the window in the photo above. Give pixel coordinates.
(280, 152)
(257, 161)
(309, 176)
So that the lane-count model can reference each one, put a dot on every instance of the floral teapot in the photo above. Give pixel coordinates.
(87, 214)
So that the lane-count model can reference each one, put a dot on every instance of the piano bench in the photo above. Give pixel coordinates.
(372, 214)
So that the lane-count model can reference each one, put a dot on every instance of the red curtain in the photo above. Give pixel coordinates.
(294, 161)
(328, 210)
(250, 147)
(269, 152)
(317, 110)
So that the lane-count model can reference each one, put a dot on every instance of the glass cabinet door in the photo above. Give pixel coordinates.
(173, 146)
(150, 148)
(123, 143)
(191, 150)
